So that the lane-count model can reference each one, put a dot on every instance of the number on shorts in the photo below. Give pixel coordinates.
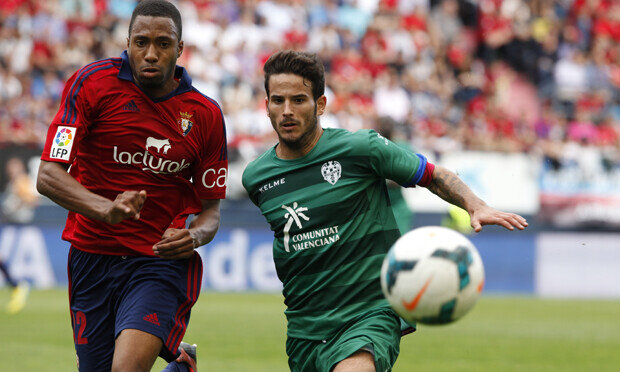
(79, 321)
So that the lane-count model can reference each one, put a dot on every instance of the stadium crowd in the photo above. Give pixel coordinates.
(531, 76)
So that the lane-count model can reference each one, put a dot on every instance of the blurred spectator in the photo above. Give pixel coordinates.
(571, 77)
(19, 197)
(19, 291)
(18, 202)
(390, 97)
(445, 22)
(492, 75)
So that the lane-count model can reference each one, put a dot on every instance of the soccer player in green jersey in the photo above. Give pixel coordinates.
(323, 192)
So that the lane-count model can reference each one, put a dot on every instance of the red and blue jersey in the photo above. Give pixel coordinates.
(116, 138)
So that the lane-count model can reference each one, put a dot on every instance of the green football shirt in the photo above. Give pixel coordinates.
(332, 223)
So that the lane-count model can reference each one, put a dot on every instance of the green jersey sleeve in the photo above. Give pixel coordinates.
(393, 162)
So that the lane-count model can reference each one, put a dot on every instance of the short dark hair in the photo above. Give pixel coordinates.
(157, 8)
(307, 65)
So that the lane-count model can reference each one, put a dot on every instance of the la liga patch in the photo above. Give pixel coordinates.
(62, 143)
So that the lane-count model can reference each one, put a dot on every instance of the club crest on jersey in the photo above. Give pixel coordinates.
(185, 123)
(331, 171)
(63, 142)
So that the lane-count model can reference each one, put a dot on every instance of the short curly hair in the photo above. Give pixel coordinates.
(158, 8)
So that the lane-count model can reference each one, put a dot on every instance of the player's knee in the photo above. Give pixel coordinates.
(361, 361)
(135, 351)
(130, 362)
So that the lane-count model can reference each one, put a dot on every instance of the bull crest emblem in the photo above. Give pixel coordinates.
(161, 145)
(331, 171)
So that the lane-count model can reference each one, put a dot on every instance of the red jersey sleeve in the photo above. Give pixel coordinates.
(71, 121)
(211, 173)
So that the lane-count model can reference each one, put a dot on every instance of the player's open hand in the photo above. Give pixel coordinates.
(491, 216)
(176, 244)
(126, 206)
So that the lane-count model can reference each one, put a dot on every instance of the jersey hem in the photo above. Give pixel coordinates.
(332, 332)
(115, 251)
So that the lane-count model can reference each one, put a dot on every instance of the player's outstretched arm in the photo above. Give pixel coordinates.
(180, 243)
(54, 182)
(448, 186)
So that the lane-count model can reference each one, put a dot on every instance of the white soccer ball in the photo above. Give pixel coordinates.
(432, 275)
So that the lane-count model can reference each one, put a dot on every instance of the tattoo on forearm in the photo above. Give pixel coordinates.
(450, 188)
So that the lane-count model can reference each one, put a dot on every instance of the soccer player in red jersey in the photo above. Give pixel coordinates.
(143, 150)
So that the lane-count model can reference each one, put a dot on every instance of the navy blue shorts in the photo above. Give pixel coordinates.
(108, 294)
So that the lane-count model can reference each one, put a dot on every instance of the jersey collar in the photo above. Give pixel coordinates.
(185, 82)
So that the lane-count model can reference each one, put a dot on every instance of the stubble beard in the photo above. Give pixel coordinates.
(305, 137)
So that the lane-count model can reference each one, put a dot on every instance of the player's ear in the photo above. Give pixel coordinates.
(180, 48)
(127, 42)
(267, 106)
(321, 103)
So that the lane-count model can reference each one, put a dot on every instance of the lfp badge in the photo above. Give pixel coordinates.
(63, 142)
(185, 122)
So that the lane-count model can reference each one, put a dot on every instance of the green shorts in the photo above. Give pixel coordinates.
(377, 332)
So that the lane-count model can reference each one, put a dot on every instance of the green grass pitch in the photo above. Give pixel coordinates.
(245, 332)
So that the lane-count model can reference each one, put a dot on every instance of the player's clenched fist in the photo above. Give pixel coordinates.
(126, 205)
(176, 244)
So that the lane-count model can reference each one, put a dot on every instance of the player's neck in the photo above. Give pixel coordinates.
(302, 148)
